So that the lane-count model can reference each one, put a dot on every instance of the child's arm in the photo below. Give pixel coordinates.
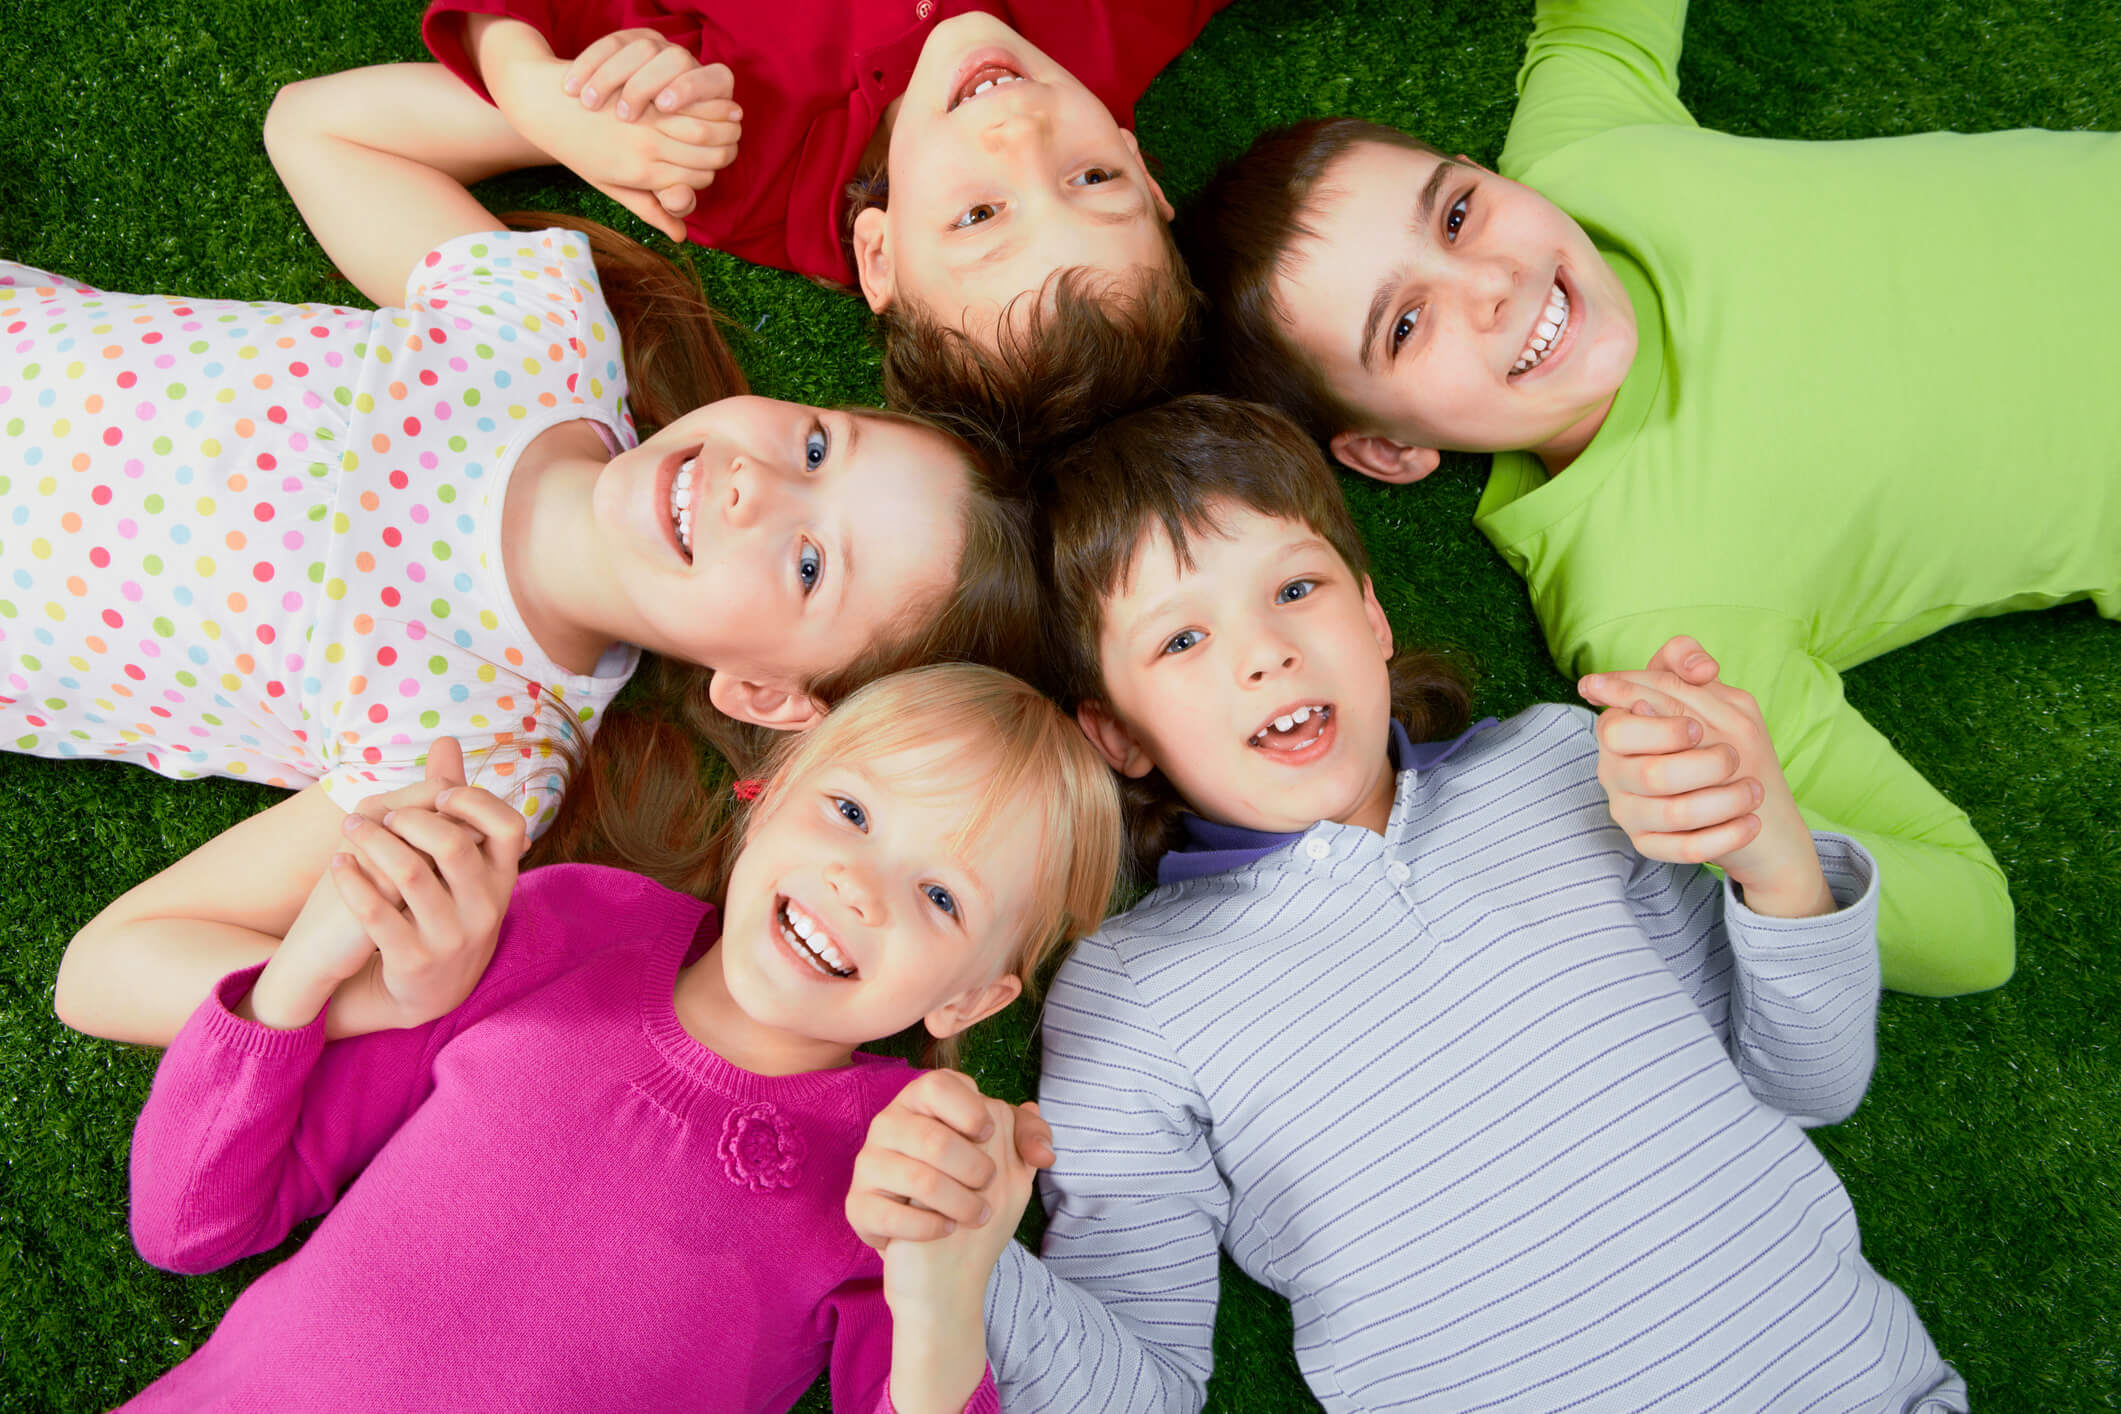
(1592, 65)
(937, 1289)
(1786, 969)
(254, 1123)
(1120, 1313)
(141, 966)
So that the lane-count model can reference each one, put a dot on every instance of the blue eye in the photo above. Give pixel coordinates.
(1180, 642)
(1404, 329)
(851, 811)
(973, 215)
(816, 447)
(1454, 218)
(1294, 590)
(940, 897)
(809, 566)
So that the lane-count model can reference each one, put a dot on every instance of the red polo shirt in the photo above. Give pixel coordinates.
(814, 76)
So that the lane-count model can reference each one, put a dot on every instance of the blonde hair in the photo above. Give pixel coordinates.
(1043, 766)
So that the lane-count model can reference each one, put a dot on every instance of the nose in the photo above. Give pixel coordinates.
(1490, 285)
(1269, 656)
(1021, 132)
(752, 487)
(855, 892)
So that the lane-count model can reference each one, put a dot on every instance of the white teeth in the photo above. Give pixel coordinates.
(1548, 329)
(1546, 333)
(1301, 715)
(1282, 724)
(1289, 721)
(813, 942)
(681, 503)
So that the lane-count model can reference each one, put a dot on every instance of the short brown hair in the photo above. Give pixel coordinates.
(1237, 235)
(1080, 353)
(1171, 468)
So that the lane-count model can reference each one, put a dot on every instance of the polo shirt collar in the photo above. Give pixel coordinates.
(1210, 847)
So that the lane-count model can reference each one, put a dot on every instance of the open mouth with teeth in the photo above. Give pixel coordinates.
(1297, 730)
(681, 506)
(984, 78)
(808, 940)
(1547, 333)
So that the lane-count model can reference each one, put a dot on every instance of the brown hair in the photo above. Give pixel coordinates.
(1080, 352)
(1237, 235)
(1173, 468)
(634, 796)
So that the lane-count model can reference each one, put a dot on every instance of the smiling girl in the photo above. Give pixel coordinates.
(613, 1168)
(292, 543)
(968, 165)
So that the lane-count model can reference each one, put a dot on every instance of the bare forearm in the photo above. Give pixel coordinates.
(938, 1358)
(377, 161)
(139, 979)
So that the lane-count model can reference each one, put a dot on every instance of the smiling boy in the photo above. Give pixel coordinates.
(1429, 1032)
(1811, 401)
(968, 166)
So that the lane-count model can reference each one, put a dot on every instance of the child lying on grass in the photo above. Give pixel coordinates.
(1810, 401)
(1444, 1035)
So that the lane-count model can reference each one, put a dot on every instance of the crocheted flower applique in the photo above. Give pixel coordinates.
(759, 1149)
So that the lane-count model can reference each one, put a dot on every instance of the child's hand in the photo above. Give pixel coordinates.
(654, 168)
(645, 69)
(1692, 777)
(454, 866)
(923, 1172)
(936, 1290)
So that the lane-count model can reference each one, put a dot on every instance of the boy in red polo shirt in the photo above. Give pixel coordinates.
(946, 157)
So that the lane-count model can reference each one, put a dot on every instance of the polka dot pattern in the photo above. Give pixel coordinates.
(262, 540)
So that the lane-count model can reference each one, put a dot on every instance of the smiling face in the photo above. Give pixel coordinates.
(1452, 310)
(1003, 169)
(1255, 680)
(775, 542)
(855, 910)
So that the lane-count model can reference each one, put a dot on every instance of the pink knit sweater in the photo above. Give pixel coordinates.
(554, 1198)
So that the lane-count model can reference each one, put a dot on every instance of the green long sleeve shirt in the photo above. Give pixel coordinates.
(1877, 392)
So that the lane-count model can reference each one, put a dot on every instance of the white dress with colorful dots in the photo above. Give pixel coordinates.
(263, 540)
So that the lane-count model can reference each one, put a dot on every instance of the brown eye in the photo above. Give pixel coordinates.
(974, 215)
(1455, 218)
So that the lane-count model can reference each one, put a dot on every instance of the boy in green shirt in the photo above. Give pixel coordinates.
(1811, 401)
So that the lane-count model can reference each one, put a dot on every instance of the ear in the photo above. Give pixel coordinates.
(1156, 188)
(763, 706)
(1382, 458)
(1113, 741)
(973, 1004)
(872, 259)
(1375, 613)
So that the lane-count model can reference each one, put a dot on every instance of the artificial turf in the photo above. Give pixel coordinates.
(1983, 1164)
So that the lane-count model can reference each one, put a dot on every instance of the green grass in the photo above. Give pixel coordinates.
(1984, 1162)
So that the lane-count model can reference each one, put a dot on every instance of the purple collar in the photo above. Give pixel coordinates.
(1210, 847)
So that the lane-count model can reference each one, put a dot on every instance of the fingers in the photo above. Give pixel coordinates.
(1700, 846)
(445, 762)
(897, 1176)
(1687, 813)
(638, 93)
(878, 1220)
(500, 825)
(1635, 734)
(645, 206)
(391, 861)
(678, 201)
(1034, 1137)
(1684, 656)
(701, 135)
(953, 1098)
(932, 1144)
(456, 852)
(377, 914)
(601, 70)
(700, 87)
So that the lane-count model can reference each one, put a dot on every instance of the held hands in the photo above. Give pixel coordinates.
(928, 1167)
(672, 124)
(1693, 778)
(400, 927)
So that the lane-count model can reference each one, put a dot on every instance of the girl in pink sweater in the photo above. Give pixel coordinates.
(601, 1162)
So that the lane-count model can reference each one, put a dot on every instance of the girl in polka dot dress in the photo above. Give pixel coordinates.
(296, 543)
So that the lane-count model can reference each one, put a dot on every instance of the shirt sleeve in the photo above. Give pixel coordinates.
(1945, 923)
(1120, 1313)
(249, 1130)
(1794, 1000)
(1592, 65)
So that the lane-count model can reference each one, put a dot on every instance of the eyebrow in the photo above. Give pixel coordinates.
(1387, 288)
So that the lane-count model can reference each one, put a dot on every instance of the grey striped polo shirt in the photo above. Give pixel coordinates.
(1511, 1115)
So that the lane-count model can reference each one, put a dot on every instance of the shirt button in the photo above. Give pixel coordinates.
(1317, 849)
(1398, 872)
